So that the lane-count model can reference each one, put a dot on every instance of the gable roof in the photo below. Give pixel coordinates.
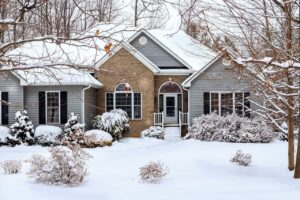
(181, 46)
(56, 76)
(150, 65)
(188, 82)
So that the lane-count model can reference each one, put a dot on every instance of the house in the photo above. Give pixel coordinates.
(158, 77)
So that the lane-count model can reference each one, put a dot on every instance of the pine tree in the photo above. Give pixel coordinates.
(22, 129)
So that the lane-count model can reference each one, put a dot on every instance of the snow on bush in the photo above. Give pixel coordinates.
(73, 131)
(22, 129)
(66, 166)
(241, 158)
(5, 134)
(11, 166)
(153, 172)
(97, 138)
(46, 135)
(154, 132)
(283, 136)
(115, 122)
(230, 128)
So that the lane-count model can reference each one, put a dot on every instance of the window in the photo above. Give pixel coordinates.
(53, 107)
(109, 101)
(224, 103)
(124, 98)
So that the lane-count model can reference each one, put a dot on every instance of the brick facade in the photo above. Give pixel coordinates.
(124, 67)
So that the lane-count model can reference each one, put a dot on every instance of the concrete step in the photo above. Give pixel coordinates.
(172, 133)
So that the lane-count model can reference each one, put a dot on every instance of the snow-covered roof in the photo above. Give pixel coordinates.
(56, 76)
(186, 49)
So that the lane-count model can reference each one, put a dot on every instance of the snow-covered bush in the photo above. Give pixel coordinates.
(22, 129)
(64, 167)
(97, 138)
(115, 122)
(5, 135)
(230, 128)
(11, 166)
(154, 132)
(283, 136)
(46, 135)
(153, 172)
(73, 131)
(241, 158)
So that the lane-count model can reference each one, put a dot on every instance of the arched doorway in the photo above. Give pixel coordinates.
(170, 101)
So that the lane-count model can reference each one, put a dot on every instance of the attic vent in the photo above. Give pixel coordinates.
(143, 40)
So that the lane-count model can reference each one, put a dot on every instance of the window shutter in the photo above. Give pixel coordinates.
(179, 102)
(4, 108)
(63, 107)
(42, 109)
(206, 103)
(247, 104)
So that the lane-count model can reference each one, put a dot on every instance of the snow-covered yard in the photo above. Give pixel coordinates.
(198, 170)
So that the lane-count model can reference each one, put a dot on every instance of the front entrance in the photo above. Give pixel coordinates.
(170, 108)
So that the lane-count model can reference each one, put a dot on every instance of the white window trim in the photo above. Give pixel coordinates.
(132, 101)
(233, 100)
(46, 106)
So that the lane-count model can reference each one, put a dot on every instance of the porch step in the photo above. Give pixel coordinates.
(171, 125)
(172, 133)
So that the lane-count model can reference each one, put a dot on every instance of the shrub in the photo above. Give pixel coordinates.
(11, 166)
(230, 128)
(22, 129)
(97, 138)
(153, 172)
(154, 132)
(73, 131)
(66, 166)
(115, 122)
(46, 135)
(242, 159)
(6, 137)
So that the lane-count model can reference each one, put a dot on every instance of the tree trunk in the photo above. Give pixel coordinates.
(136, 13)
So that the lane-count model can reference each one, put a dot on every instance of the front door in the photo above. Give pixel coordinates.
(170, 108)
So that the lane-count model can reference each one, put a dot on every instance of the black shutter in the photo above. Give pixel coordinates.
(161, 103)
(247, 104)
(63, 107)
(42, 108)
(206, 103)
(4, 108)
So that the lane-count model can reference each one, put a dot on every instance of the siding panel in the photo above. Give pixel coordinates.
(215, 78)
(155, 53)
(11, 84)
(32, 100)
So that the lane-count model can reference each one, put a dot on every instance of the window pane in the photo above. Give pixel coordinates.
(137, 106)
(123, 87)
(214, 99)
(239, 104)
(226, 103)
(52, 107)
(123, 101)
(109, 101)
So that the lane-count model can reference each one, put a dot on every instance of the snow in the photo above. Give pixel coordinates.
(100, 135)
(47, 132)
(59, 75)
(172, 133)
(4, 133)
(198, 170)
(195, 54)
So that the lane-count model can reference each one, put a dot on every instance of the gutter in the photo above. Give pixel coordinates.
(83, 104)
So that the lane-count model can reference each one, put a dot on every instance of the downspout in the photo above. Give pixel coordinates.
(83, 105)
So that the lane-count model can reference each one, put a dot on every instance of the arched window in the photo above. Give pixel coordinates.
(124, 98)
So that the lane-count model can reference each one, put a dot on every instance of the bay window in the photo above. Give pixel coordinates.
(124, 98)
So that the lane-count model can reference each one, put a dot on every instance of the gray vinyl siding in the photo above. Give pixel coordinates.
(11, 84)
(215, 78)
(90, 107)
(155, 53)
(32, 100)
